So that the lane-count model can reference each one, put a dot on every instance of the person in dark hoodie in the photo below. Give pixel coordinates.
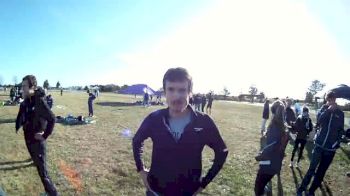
(204, 102)
(290, 116)
(271, 156)
(49, 101)
(330, 120)
(179, 135)
(38, 122)
(197, 102)
(303, 126)
(210, 103)
(92, 97)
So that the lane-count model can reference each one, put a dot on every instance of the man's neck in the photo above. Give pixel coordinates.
(183, 113)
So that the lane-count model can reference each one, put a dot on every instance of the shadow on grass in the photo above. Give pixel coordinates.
(15, 162)
(8, 120)
(116, 104)
(295, 177)
(279, 185)
(326, 191)
(309, 146)
(13, 165)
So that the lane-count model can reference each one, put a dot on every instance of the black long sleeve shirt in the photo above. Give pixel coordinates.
(176, 166)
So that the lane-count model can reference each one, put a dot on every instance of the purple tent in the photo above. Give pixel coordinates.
(159, 93)
(137, 89)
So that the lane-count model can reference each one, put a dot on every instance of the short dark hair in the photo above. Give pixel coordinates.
(178, 74)
(31, 80)
(330, 95)
(305, 109)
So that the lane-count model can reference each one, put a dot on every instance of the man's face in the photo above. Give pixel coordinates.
(26, 91)
(177, 95)
(331, 101)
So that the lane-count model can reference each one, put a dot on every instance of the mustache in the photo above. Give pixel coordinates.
(178, 101)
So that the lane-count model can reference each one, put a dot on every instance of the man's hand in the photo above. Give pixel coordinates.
(39, 136)
(198, 191)
(143, 175)
(332, 107)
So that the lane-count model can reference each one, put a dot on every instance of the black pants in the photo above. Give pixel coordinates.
(301, 148)
(91, 110)
(37, 151)
(203, 106)
(261, 181)
(320, 161)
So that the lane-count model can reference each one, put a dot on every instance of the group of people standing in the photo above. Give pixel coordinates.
(284, 122)
(179, 134)
(201, 101)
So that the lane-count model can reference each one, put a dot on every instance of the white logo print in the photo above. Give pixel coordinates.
(198, 129)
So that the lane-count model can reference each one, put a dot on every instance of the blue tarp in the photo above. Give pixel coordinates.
(137, 89)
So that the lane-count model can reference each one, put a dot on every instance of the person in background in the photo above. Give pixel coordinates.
(265, 116)
(303, 126)
(49, 101)
(204, 102)
(330, 120)
(271, 156)
(92, 97)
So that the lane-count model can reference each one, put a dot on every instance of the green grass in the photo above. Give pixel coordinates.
(104, 160)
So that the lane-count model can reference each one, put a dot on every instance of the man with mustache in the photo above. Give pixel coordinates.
(179, 135)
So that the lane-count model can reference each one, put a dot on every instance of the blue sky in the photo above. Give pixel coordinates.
(220, 42)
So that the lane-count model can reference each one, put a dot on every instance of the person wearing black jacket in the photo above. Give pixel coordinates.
(38, 122)
(204, 102)
(271, 156)
(49, 101)
(179, 135)
(265, 116)
(290, 116)
(303, 126)
(92, 97)
(330, 120)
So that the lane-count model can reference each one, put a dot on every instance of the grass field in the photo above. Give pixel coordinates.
(96, 160)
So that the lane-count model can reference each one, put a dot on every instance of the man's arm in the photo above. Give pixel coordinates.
(215, 141)
(49, 116)
(324, 113)
(137, 143)
(19, 119)
(341, 127)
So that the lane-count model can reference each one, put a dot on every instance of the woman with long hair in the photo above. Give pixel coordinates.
(271, 156)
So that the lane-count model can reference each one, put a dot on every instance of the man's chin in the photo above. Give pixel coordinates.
(178, 109)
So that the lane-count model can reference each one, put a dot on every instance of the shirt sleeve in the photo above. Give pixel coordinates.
(215, 142)
(137, 143)
(49, 116)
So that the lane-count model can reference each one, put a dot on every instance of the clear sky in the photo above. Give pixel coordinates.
(279, 46)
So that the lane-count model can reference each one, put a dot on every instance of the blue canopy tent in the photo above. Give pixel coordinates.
(159, 93)
(137, 89)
